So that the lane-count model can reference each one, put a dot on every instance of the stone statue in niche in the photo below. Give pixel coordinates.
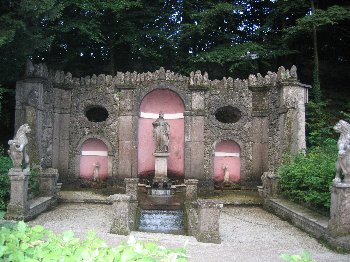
(226, 174)
(161, 134)
(96, 172)
(17, 151)
(343, 161)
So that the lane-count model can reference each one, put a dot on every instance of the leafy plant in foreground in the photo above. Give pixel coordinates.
(297, 258)
(23, 243)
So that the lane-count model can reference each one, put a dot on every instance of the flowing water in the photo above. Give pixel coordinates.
(162, 212)
(162, 221)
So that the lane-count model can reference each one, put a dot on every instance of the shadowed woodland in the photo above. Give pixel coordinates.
(224, 38)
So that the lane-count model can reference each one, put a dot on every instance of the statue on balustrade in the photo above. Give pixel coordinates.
(17, 151)
(343, 161)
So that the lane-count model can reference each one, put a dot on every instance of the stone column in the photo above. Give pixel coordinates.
(18, 206)
(48, 181)
(131, 189)
(121, 214)
(191, 189)
(195, 134)
(339, 224)
(208, 221)
(131, 186)
(260, 128)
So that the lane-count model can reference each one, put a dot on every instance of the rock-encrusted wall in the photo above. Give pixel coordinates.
(270, 118)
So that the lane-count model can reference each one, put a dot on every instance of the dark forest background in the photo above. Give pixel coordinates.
(225, 38)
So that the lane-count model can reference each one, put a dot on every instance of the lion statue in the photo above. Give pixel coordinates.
(343, 161)
(17, 150)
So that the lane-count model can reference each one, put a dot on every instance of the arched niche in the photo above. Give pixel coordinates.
(227, 160)
(93, 160)
(171, 104)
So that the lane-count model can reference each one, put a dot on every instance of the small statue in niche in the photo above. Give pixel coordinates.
(226, 174)
(343, 161)
(96, 172)
(17, 151)
(161, 134)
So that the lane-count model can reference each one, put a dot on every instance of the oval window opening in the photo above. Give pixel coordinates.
(96, 114)
(228, 114)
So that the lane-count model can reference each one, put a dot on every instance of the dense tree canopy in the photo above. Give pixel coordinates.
(226, 38)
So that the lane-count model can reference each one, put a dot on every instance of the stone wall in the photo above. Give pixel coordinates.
(271, 118)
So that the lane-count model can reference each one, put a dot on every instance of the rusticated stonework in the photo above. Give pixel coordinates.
(270, 119)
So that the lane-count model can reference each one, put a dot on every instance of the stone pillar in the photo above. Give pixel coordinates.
(208, 221)
(48, 182)
(18, 206)
(293, 97)
(260, 128)
(131, 189)
(194, 137)
(121, 214)
(127, 133)
(191, 189)
(339, 224)
(161, 167)
(131, 186)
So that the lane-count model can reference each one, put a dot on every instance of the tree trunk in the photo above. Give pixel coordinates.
(316, 76)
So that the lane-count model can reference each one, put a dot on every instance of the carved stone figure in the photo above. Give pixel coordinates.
(17, 151)
(226, 174)
(96, 172)
(161, 134)
(343, 161)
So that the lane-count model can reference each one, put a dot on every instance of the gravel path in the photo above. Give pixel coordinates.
(247, 234)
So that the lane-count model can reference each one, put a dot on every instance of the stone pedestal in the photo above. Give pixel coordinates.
(339, 224)
(270, 185)
(161, 167)
(208, 221)
(191, 189)
(18, 206)
(48, 182)
(121, 214)
(131, 189)
(131, 186)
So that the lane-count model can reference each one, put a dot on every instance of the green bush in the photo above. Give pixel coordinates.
(23, 243)
(306, 178)
(5, 165)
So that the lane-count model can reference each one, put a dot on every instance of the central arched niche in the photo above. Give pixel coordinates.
(94, 160)
(227, 156)
(170, 103)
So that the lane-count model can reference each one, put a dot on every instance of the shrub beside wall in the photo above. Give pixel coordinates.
(306, 178)
(5, 165)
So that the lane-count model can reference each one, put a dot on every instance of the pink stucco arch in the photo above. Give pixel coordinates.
(227, 154)
(94, 159)
(170, 103)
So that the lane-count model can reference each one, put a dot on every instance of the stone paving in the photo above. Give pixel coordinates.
(247, 233)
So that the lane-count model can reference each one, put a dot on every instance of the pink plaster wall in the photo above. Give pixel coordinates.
(169, 103)
(233, 163)
(87, 162)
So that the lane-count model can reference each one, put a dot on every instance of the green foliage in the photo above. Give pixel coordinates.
(305, 257)
(319, 123)
(331, 16)
(5, 165)
(24, 243)
(34, 180)
(307, 178)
